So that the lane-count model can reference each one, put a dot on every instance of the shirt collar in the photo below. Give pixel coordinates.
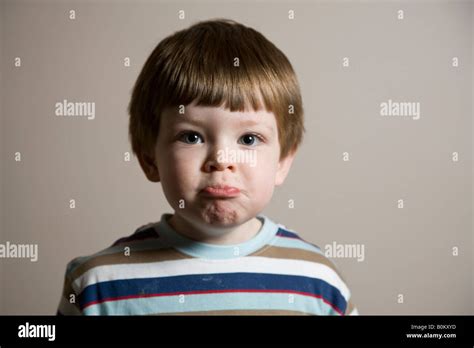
(214, 251)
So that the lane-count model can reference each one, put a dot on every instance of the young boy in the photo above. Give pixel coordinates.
(216, 117)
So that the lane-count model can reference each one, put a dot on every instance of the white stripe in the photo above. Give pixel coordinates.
(249, 264)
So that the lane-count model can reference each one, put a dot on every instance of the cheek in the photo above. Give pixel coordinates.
(179, 170)
(261, 178)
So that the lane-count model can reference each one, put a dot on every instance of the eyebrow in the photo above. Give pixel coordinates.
(247, 123)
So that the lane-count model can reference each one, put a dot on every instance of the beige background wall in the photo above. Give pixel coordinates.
(408, 251)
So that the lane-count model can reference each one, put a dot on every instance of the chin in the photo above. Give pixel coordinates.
(220, 216)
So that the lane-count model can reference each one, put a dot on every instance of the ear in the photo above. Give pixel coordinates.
(149, 167)
(284, 166)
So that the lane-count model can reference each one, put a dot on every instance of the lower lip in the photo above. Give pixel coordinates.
(221, 192)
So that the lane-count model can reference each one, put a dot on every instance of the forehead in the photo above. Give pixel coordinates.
(193, 113)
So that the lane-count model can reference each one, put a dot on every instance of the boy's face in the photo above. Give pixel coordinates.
(217, 167)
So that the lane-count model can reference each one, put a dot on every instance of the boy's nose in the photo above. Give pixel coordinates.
(217, 161)
(214, 165)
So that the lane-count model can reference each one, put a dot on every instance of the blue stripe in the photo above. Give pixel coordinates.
(209, 282)
(288, 234)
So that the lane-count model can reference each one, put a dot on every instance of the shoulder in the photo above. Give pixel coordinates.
(302, 248)
(306, 259)
(145, 232)
(143, 238)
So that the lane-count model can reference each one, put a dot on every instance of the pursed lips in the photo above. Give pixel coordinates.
(220, 191)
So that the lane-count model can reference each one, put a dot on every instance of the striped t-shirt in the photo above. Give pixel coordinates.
(158, 271)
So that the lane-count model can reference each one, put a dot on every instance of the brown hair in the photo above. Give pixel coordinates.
(197, 63)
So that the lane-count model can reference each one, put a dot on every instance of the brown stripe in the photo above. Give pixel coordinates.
(299, 254)
(171, 254)
(238, 312)
(140, 256)
(138, 236)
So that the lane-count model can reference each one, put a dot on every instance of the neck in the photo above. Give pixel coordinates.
(215, 235)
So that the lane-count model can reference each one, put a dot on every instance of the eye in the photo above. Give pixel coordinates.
(250, 139)
(190, 137)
